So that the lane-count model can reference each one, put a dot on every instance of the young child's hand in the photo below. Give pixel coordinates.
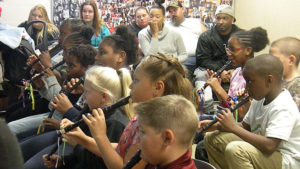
(51, 163)
(61, 103)
(211, 128)
(53, 123)
(71, 83)
(38, 83)
(73, 137)
(214, 82)
(46, 59)
(226, 75)
(37, 66)
(96, 123)
(226, 121)
(48, 72)
(242, 93)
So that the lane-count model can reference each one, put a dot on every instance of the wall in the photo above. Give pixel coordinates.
(279, 17)
(16, 11)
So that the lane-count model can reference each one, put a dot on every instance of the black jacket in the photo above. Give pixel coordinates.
(134, 28)
(210, 52)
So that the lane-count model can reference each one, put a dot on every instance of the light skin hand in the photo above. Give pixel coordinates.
(61, 103)
(45, 59)
(96, 123)
(211, 128)
(73, 137)
(37, 66)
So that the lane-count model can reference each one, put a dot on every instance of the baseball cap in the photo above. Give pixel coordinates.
(225, 9)
(174, 3)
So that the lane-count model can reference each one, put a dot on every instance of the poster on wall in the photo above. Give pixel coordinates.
(117, 12)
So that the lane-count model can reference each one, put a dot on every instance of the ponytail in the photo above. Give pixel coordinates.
(125, 79)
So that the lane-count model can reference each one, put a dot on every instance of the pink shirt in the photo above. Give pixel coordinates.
(237, 82)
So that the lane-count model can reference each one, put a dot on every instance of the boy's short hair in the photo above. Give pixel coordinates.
(85, 54)
(266, 64)
(172, 112)
(288, 46)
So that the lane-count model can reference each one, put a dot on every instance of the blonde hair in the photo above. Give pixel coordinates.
(51, 28)
(172, 112)
(112, 82)
(97, 21)
(170, 71)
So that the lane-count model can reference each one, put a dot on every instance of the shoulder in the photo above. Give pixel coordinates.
(144, 32)
(118, 116)
(284, 102)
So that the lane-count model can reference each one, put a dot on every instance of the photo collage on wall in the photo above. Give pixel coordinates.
(118, 12)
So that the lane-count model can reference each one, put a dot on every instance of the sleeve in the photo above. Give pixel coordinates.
(52, 87)
(247, 118)
(149, 46)
(72, 114)
(280, 123)
(204, 54)
(181, 50)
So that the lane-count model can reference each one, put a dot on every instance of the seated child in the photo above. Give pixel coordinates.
(103, 86)
(167, 126)
(240, 48)
(269, 136)
(78, 59)
(288, 51)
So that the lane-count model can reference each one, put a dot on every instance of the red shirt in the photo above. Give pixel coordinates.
(129, 137)
(183, 162)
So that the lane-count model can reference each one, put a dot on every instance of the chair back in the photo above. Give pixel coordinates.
(203, 165)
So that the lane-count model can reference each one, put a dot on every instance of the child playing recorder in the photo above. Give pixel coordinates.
(269, 136)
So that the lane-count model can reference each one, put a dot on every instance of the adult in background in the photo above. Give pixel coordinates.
(35, 31)
(141, 20)
(89, 14)
(160, 38)
(211, 53)
(189, 29)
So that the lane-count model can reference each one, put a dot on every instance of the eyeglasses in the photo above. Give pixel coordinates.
(231, 50)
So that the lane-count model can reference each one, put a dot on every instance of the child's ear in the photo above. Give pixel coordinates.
(168, 137)
(159, 88)
(269, 81)
(105, 97)
(292, 60)
(122, 57)
(248, 50)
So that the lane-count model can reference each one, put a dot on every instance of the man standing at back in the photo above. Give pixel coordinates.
(189, 29)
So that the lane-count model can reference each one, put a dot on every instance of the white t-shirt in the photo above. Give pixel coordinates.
(190, 30)
(279, 119)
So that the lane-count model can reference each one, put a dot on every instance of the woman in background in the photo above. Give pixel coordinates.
(35, 31)
(89, 14)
